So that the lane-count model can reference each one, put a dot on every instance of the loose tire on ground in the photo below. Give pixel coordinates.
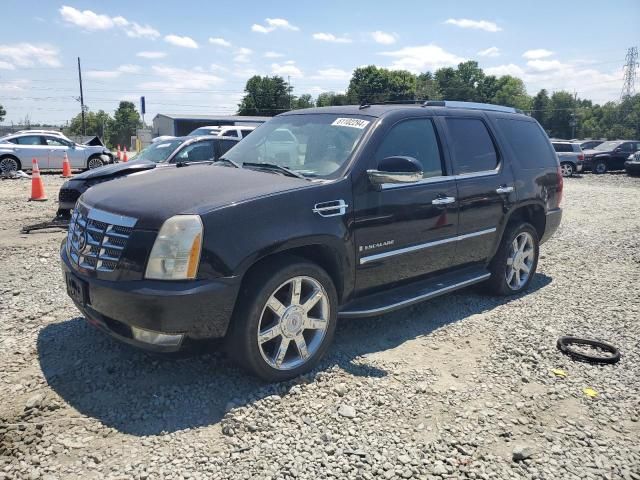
(564, 345)
(501, 264)
(256, 337)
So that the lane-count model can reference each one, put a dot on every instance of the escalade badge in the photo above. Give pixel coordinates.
(373, 246)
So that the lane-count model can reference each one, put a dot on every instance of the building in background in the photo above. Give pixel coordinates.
(179, 125)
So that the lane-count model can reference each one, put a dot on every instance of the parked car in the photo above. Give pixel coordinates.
(632, 165)
(162, 154)
(609, 155)
(48, 148)
(570, 156)
(391, 205)
(224, 131)
(590, 144)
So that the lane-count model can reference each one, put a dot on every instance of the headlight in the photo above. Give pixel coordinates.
(176, 252)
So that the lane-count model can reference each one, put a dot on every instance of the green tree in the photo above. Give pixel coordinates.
(511, 92)
(563, 105)
(541, 108)
(3, 112)
(375, 85)
(329, 99)
(265, 96)
(97, 123)
(462, 83)
(125, 122)
(427, 87)
(304, 101)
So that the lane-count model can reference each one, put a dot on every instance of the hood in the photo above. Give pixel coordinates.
(115, 170)
(592, 152)
(197, 189)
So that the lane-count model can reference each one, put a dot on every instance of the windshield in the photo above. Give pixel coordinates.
(607, 146)
(159, 152)
(313, 145)
(204, 131)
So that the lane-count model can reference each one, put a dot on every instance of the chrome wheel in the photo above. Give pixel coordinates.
(95, 162)
(566, 169)
(293, 323)
(8, 165)
(601, 167)
(520, 261)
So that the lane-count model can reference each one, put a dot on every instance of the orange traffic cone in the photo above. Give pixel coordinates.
(66, 167)
(124, 155)
(118, 154)
(37, 187)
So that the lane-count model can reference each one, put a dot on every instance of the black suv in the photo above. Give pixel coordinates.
(610, 155)
(373, 208)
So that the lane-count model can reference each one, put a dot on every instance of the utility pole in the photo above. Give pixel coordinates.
(289, 88)
(84, 132)
(630, 69)
(573, 120)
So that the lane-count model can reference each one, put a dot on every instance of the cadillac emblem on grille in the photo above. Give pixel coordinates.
(97, 238)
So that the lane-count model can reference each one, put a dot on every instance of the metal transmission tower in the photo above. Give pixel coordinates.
(630, 67)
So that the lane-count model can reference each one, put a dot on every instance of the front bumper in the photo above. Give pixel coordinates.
(552, 223)
(579, 167)
(198, 309)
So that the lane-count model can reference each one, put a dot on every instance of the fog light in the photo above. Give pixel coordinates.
(156, 338)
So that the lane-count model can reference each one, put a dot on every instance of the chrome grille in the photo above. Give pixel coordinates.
(97, 238)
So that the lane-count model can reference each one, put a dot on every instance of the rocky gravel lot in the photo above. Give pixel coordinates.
(459, 387)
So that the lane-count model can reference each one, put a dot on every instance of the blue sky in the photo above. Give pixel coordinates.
(195, 56)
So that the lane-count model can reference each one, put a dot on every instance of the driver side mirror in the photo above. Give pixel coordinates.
(617, 150)
(398, 169)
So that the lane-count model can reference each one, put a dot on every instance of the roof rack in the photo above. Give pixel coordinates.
(470, 105)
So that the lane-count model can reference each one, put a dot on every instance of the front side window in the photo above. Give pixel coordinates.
(159, 152)
(56, 142)
(473, 148)
(413, 138)
(196, 152)
(313, 145)
(30, 140)
(226, 145)
(627, 147)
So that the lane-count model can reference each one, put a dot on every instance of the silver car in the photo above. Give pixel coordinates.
(570, 155)
(48, 148)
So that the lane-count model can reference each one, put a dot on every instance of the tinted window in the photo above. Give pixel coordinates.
(230, 133)
(196, 152)
(413, 138)
(627, 147)
(528, 142)
(245, 132)
(473, 149)
(562, 147)
(225, 146)
(30, 140)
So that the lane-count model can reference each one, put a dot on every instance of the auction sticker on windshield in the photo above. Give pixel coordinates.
(350, 122)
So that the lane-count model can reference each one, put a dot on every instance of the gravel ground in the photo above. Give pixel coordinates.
(459, 387)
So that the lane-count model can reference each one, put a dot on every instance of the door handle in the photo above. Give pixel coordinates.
(443, 200)
(504, 189)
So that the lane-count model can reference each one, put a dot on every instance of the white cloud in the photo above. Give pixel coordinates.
(129, 68)
(6, 66)
(509, 69)
(332, 74)
(545, 65)
(14, 85)
(244, 72)
(422, 58)
(92, 21)
(86, 19)
(219, 41)
(537, 54)
(490, 52)
(286, 69)
(273, 24)
(330, 37)
(28, 54)
(178, 41)
(175, 79)
(273, 55)
(149, 54)
(384, 38)
(242, 55)
(474, 24)
(111, 74)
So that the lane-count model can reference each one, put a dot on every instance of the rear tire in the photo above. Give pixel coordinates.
(512, 269)
(599, 167)
(9, 164)
(567, 169)
(284, 320)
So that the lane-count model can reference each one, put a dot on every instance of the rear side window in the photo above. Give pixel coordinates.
(529, 143)
(245, 132)
(562, 147)
(473, 148)
(30, 140)
(413, 138)
(230, 133)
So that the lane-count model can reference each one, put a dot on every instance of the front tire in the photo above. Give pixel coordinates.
(567, 169)
(95, 162)
(285, 319)
(600, 167)
(516, 261)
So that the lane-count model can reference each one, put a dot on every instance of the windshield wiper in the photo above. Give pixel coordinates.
(228, 160)
(274, 167)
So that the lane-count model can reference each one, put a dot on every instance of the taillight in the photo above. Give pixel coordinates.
(560, 186)
(581, 157)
